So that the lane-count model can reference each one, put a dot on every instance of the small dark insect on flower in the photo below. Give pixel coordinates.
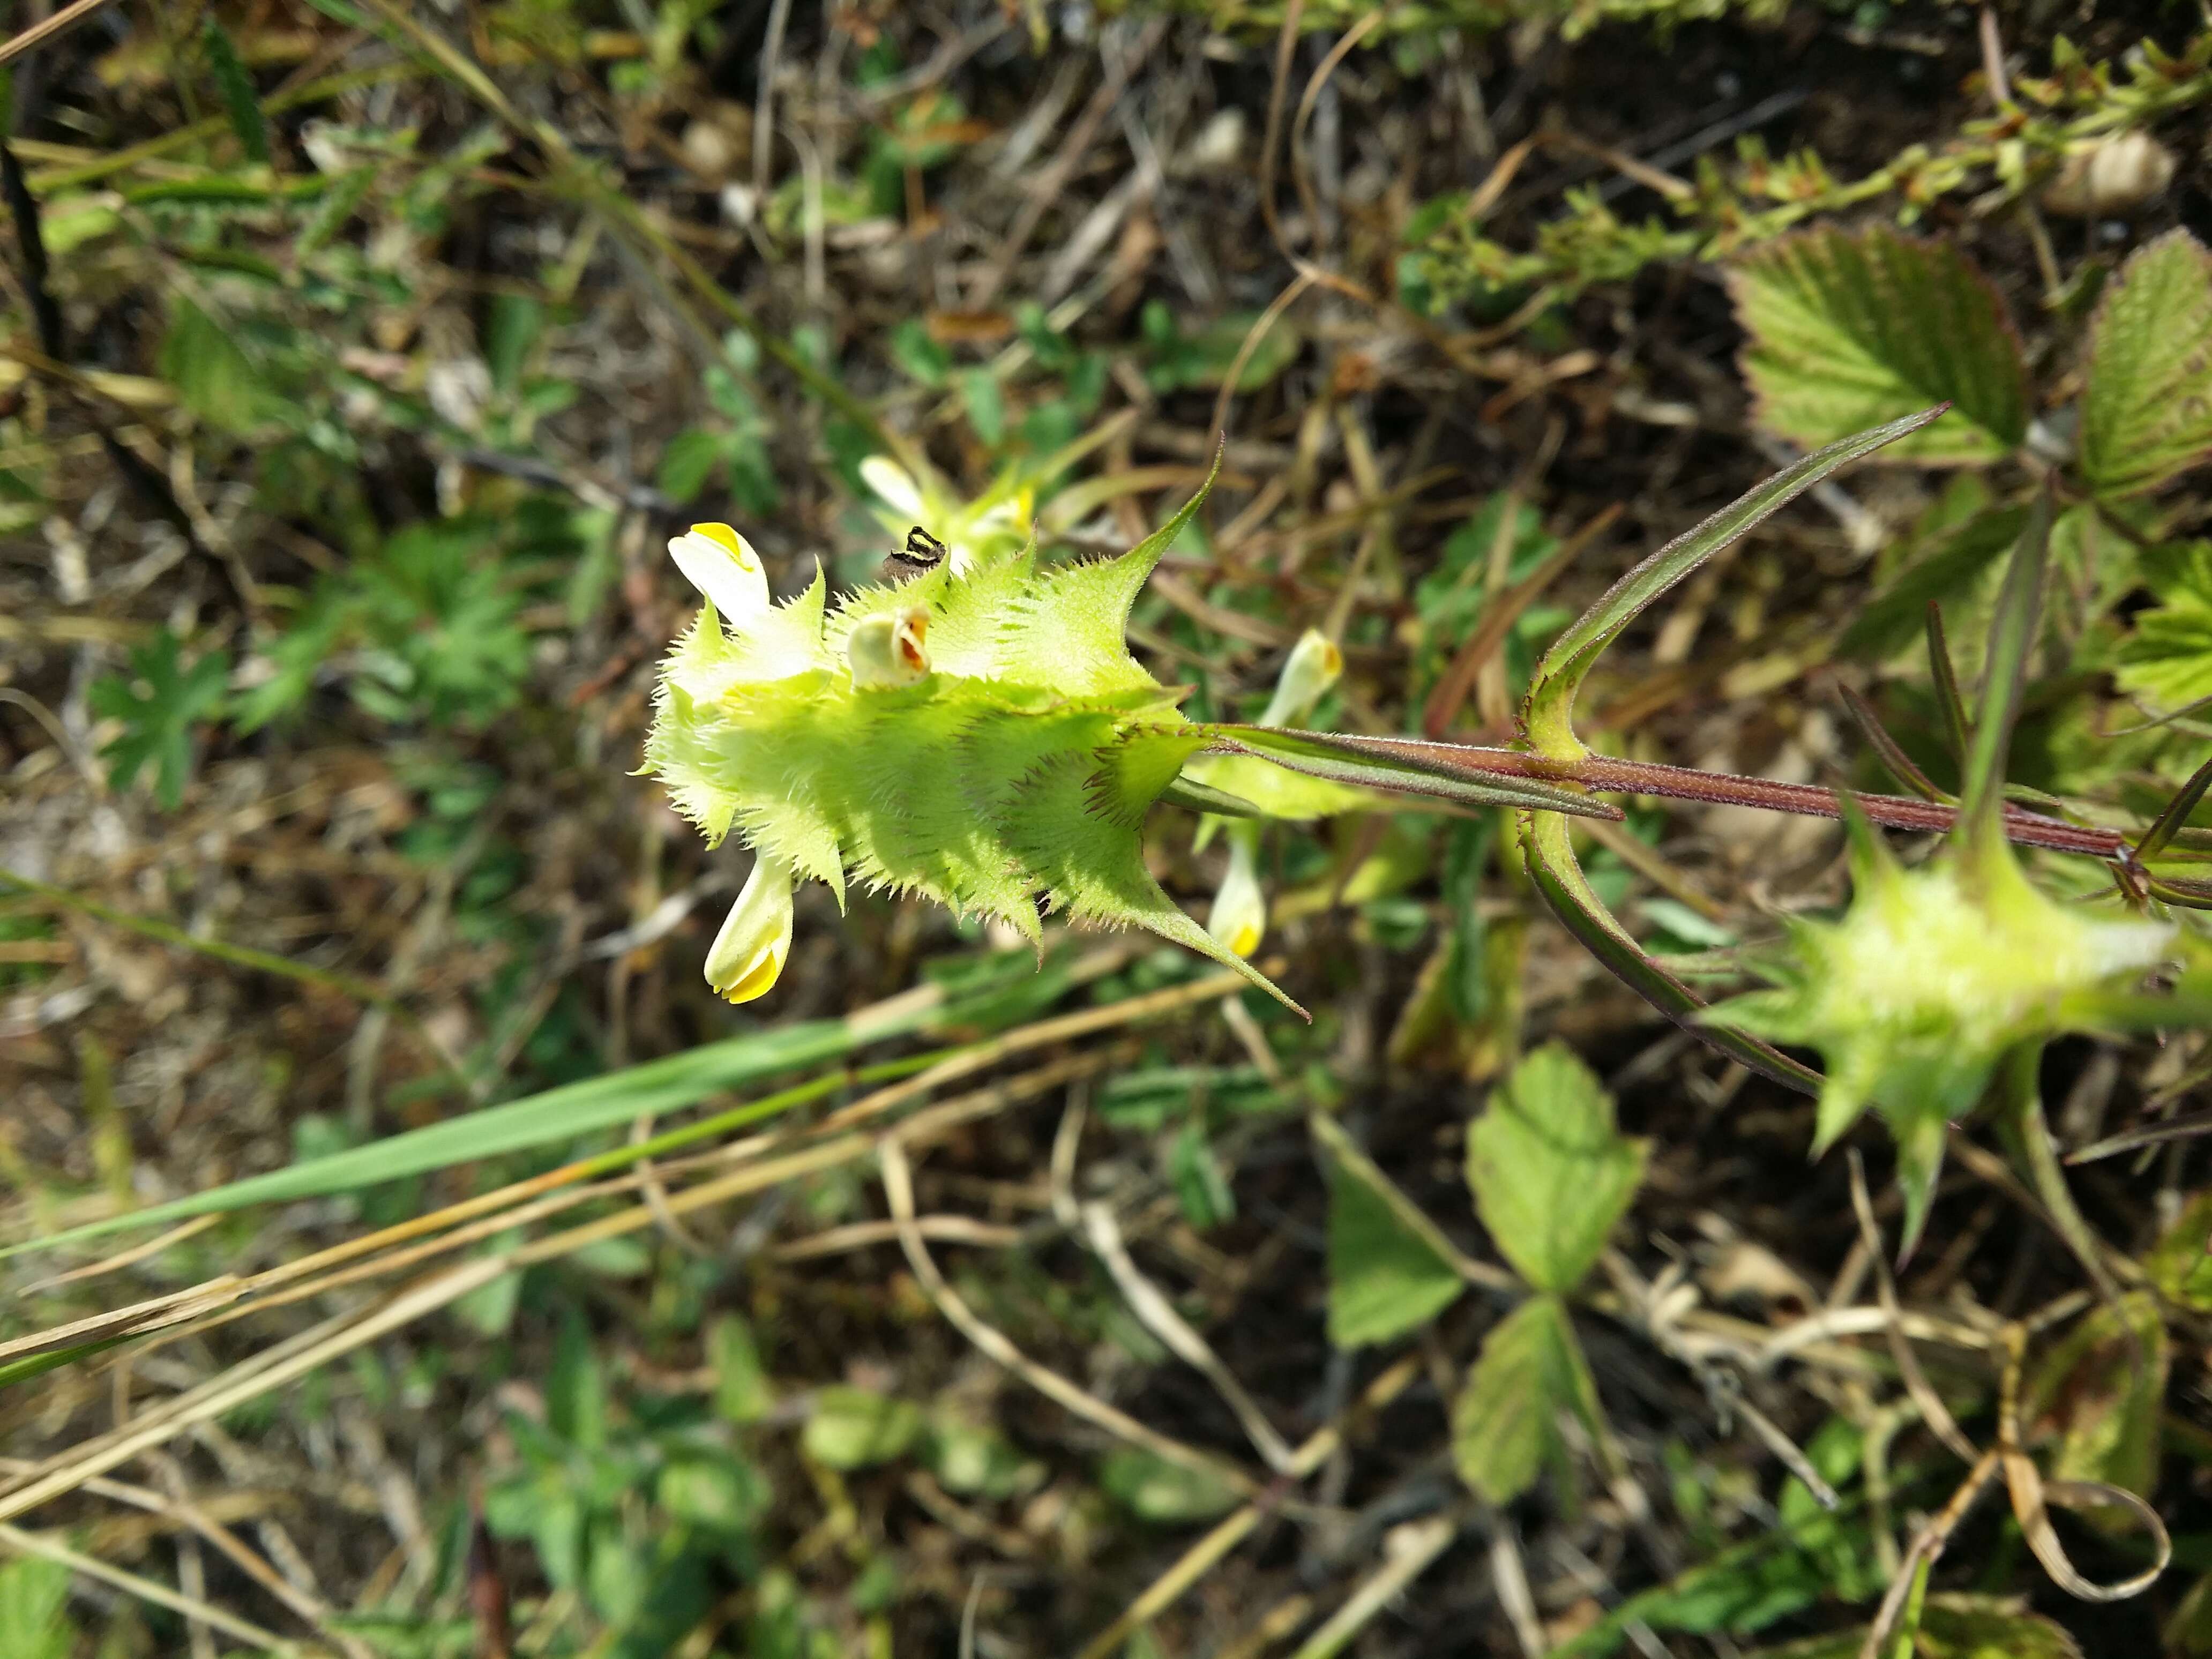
(923, 552)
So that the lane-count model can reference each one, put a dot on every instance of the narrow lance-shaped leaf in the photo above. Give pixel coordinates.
(1458, 772)
(1548, 717)
(1949, 703)
(552, 1118)
(2004, 675)
(1560, 879)
(238, 94)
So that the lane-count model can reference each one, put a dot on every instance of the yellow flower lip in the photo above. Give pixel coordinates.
(722, 564)
(1239, 917)
(747, 956)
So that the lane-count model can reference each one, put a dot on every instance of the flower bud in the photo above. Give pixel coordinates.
(1315, 665)
(890, 649)
(747, 954)
(894, 486)
(1239, 918)
(722, 564)
(2112, 176)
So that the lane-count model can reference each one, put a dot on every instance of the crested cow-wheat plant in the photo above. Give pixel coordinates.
(980, 734)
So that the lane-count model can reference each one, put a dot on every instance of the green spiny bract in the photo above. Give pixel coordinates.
(980, 737)
(1919, 991)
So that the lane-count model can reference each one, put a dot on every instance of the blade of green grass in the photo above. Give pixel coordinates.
(563, 1113)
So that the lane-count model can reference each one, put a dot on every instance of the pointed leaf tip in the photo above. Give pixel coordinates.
(1547, 715)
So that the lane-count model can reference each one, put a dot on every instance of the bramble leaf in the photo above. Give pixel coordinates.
(1505, 1421)
(1848, 330)
(1550, 1173)
(1389, 1271)
(2147, 409)
(2169, 660)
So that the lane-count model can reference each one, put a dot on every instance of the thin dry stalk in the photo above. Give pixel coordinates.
(1409, 1551)
(1933, 1411)
(898, 1192)
(1158, 1314)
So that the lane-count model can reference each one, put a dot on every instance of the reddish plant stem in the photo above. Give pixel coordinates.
(1611, 776)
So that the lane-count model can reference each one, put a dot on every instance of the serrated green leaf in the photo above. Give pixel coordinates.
(1550, 1173)
(1848, 330)
(1548, 716)
(1391, 1268)
(1505, 1421)
(2147, 409)
(158, 723)
(213, 377)
(2168, 661)
(239, 98)
(855, 1428)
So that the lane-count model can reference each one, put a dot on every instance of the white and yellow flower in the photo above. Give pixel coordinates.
(1239, 918)
(747, 956)
(722, 564)
(1315, 663)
